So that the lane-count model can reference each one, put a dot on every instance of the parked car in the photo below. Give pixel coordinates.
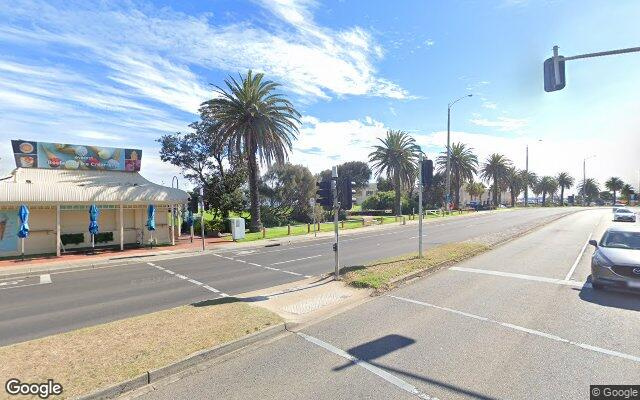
(616, 260)
(624, 215)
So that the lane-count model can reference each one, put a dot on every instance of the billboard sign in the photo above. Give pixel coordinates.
(30, 154)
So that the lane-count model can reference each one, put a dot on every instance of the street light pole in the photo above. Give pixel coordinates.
(526, 185)
(448, 192)
(584, 178)
(173, 213)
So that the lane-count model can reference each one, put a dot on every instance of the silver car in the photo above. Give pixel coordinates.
(616, 261)
(624, 214)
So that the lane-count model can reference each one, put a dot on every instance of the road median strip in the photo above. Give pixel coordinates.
(106, 360)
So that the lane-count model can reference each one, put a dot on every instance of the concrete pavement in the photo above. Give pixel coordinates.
(80, 298)
(517, 322)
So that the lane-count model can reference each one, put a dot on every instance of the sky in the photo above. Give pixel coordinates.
(123, 73)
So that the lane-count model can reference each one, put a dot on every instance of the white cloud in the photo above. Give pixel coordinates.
(429, 42)
(152, 50)
(502, 123)
(489, 104)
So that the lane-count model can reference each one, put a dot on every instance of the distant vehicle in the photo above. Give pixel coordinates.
(616, 261)
(624, 215)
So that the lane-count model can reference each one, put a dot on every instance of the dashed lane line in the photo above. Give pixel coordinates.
(565, 282)
(272, 268)
(190, 280)
(525, 330)
(297, 259)
(578, 258)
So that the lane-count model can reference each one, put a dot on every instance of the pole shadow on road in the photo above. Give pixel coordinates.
(610, 298)
(369, 351)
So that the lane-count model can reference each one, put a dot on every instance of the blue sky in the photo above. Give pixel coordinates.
(123, 73)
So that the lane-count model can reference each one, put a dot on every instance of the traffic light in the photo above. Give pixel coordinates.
(426, 170)
(193, 203)
(324, 194)
(550, 82)
(346, 194)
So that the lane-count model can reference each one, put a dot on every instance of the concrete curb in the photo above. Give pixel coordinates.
(423, 272)
(178, 366)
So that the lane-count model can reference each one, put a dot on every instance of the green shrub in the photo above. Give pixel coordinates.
(72, 238)
(103, 237)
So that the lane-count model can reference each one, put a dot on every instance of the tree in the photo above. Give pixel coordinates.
(472, 189)
(495, 169)
(565, 181)
(258, 123)
(384, 185)
(589, 189)
(614, 184)
(357, 171)
(626, 191)
(379, 201)
(397, 158)
(286, 190)
(515, 183)
(463, 166)
(548, 185)
(480, 189)
(200, 154)
(529, 180)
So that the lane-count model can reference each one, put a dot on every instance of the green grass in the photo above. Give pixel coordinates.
(380, 274)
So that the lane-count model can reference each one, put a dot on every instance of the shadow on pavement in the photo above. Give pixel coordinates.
(215, 302)
(610, 298)
(387, 344)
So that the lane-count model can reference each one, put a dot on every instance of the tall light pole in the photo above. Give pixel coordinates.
(526, 187)
(173, 214)
(448, 193)
(584, 178)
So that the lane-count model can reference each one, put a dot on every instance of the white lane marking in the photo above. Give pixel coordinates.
(254, 264)
(11, 283)
(241, 261)
(394, 380)
(44, 279)
(290, 272)
(297, 259)
(527, 330)
(522, 276)
(274, 269)
(190, 280)
(575, 264)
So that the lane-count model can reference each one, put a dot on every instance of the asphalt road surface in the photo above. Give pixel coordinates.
(518, 322)
(38, 306)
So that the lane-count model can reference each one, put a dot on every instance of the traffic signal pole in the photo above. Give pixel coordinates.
(202, 216)
(336, 214)
(420, 210)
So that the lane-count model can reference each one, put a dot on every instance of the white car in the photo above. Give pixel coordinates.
(624, 214)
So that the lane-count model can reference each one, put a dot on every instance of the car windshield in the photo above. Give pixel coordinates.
(624, 211)
(621, 240)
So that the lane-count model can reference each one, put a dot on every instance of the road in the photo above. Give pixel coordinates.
(518, 322)
(71, 300)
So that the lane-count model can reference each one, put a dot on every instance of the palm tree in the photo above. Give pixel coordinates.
(515, 183)
(589, 189)
(565, 181)
(258, 123)
(627, 191)
(548, 185)
(614, 184)
(463, 164)
(472, 189)
(480, 189)
(495, 169)
(397, 157)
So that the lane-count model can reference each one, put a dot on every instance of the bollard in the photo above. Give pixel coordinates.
(362, 221)
(404, 220)
(308, 228)
(318, 226)
(288, 230)
(342, 224)
(264, 232)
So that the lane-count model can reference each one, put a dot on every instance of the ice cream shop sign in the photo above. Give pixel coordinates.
(29, 154)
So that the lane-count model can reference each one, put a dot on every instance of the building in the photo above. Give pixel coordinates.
(59, 198)
(362, 194)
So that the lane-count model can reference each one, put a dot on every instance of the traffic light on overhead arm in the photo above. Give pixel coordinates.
(324, 195)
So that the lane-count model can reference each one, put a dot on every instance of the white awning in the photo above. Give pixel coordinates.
(53, 186)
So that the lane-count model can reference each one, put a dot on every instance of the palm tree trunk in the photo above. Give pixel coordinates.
(513, 199)
(561, 196)
(614, 197)
(544, 197)
(495, 191)
(256, 223)
(396, 184)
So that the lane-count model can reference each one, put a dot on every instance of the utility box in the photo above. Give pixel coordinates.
(237, 228)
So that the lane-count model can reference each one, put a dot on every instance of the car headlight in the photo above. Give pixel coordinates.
(601, 261)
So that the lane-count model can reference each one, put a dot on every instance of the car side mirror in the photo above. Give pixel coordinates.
(593, 242)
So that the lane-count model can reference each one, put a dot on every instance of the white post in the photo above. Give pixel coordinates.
(58, 230)
(420, 183)
(173, 228)
(121, 226)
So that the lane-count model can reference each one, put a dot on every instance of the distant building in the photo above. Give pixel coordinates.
(364, 193)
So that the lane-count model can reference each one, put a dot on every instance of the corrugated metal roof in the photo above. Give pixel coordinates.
(32, 185)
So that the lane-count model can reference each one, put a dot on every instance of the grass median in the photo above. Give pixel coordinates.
(381, 274)
(95, 357)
